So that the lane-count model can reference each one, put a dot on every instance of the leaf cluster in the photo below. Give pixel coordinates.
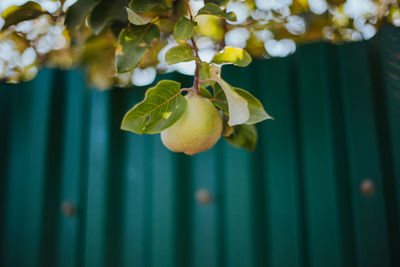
(118, 40)
(263, 27)
(164, 104)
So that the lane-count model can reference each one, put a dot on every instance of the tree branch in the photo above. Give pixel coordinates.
(196, 81)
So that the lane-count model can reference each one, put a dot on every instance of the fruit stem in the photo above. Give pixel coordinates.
(189, 9)
(206, 80)
(195, 52)
(196, 81)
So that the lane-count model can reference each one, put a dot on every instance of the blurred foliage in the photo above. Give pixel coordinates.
(125, 42)
(58, 34)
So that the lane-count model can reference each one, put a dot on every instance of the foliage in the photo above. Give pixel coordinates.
(162, 107)
(118, 41)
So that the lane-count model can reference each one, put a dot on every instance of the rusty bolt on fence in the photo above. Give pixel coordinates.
(203, 196)
(367, 187)
(68, 209)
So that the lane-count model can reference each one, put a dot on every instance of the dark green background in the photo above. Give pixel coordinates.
(295, 201)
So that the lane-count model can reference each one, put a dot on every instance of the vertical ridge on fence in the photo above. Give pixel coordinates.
(297, 172)
(205, 251)
(183, 182)
(321, 211)
(11, 233)
(237, 196)
(53, 169)
(162, 206)
(258, 208)
(338, 147)
(221, 219)
(95, 247)
(7, 96)
(115, 176)
(280, 173)
(135, 194)
(387, 101)
(37, 132)
(71, 164)
(369, 214)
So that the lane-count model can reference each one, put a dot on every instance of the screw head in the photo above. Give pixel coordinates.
(367, 187)
(68, 209)
(203, 196)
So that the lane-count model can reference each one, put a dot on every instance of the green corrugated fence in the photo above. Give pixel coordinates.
(322, 189)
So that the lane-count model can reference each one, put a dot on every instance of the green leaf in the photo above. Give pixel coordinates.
(237, 105)
(256, 109)
(133, 42)
(162, 106)
(77, 12)
(227, 130)
(218, 2)
(219, 99)
(184, 29)
(232, 55)
(213, 9)
(204, 74)
(136, 18)
(243, 136)
(141, 6)
(107, 11)
(205, 93)
(179, 53)
(16, 14)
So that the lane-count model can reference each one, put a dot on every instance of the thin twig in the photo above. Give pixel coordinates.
(195, 52)
(189, 9)
(207, 80)
(197, 71)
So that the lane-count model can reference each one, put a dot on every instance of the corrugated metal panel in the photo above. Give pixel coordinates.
(295, 201)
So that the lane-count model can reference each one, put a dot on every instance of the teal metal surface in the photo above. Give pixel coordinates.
(322, 188)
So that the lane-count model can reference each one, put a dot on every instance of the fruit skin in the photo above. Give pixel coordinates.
(197, 130)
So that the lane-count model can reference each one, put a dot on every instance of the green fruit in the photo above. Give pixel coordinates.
(197, 130)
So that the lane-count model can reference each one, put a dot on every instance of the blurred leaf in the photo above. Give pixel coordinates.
(233, 55)
(179, 53)
(256, 109)
(77, 12)
(116, 27)
(107, 11)
(16, 14)
(227, 130)
(237, 105)
(180, 7)
(184, 29)
(204, 74)
(103, 44)
(205, 93)
(213, 9)
(219, 99)
(162, 107)
(133, 42)
(141, 6)
(210, 26)
(243, 136)
(136, 18)
(218, 2)
(166, 25)
(150, 58)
